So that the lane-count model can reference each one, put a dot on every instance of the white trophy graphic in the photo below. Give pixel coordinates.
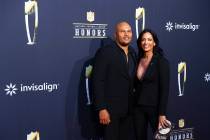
(182, 68)
(31, 7)
(140, 13)
(33, 136)
(88, 71)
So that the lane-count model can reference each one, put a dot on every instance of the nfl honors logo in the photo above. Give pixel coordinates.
(90, 16)
(182, 133)
(89, 30)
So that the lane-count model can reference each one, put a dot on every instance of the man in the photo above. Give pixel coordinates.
(113, 72)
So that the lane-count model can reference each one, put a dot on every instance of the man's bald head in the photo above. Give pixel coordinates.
(118, 26)
(123, 34)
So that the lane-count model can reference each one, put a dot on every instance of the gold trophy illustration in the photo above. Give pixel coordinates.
(33, 136)
(31, 7)
(140, 14)
(88, 71)
(182, 70)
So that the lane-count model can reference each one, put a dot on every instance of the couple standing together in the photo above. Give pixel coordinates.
(128, 88)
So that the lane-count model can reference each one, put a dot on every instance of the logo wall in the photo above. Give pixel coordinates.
(90, 30)
(13, 89)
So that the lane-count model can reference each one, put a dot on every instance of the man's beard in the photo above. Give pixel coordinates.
(123, 44)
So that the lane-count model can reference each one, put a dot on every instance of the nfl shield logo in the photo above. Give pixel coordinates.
(90, 16)
(181, 123)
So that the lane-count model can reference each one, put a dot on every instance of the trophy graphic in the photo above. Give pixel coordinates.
(182, 68)
(88, 71)
(31, 7)
(140, 13)
(33, 136)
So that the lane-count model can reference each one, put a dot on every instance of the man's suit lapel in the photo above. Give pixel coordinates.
(123, 63)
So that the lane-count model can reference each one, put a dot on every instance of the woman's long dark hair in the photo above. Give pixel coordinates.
(156, 50)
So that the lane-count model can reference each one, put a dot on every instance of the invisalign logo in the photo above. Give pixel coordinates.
(12, 89)
(170, 26)
(42, 87)
(207, 77)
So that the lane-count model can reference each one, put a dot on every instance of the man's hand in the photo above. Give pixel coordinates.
(104, 117)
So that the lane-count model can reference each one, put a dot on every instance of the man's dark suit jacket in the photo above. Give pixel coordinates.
(153, 88)
(111, 81)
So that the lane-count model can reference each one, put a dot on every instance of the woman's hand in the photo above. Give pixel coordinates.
(163, 122)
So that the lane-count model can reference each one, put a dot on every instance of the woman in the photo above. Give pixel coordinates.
(151, 85)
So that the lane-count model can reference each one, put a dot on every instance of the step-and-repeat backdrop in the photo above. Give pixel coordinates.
(46, 51)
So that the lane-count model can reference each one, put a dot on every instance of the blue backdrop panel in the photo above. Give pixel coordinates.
(43, 86)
